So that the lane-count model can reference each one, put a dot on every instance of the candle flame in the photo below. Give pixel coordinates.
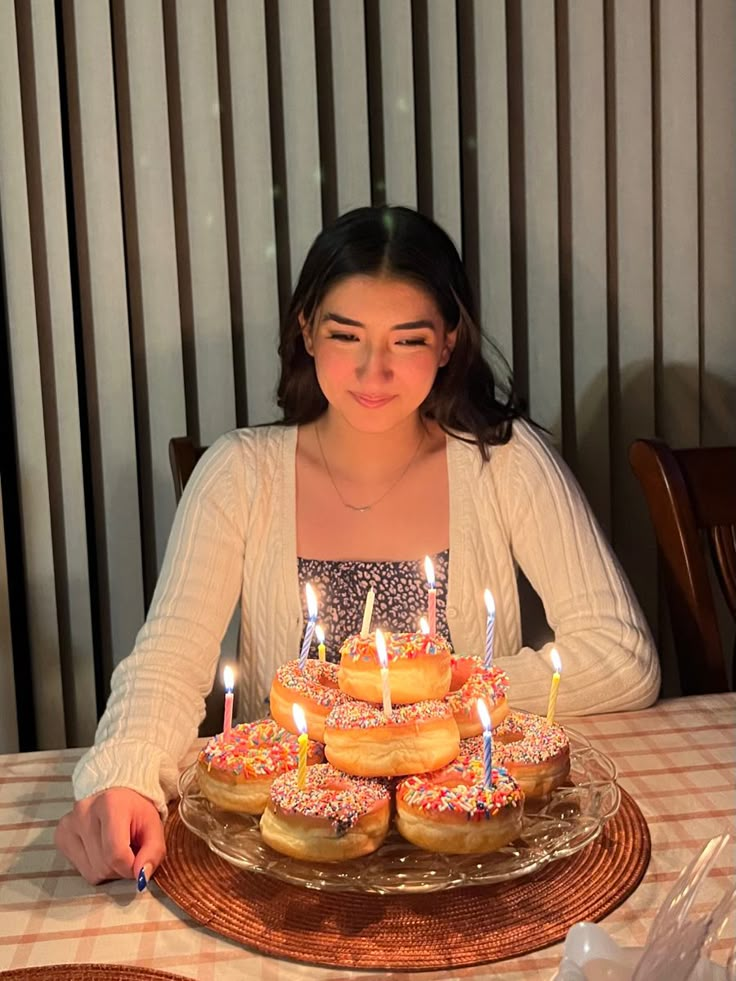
(429, 571)
(300, 719)
(320, 633)
(556, 662)
(228, 677)
(381, 649)
(483, 714)
(311, 601)
(490, 605)
(424, 625)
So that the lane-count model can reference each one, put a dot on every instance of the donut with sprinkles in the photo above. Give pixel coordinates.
(471, 681)
(236, 771)
(418, 667)
(452, 810)
(334, 817)
(314, 688)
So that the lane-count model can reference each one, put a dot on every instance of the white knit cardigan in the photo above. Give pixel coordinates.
(234, 540)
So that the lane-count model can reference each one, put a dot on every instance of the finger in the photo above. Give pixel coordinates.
(151, 845)
(74, 850)
(113, 842)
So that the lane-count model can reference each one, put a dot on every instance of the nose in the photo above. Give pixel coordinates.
(375, 363)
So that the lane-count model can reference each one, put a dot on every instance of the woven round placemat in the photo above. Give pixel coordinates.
(430, 931)
(87, 972)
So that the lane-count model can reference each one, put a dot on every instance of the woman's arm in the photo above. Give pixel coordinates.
(157, 693)
(609, 661)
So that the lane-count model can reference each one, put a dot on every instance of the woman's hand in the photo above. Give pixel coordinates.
(115, 834)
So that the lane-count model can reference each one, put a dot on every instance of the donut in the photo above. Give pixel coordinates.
(361, 740)
(236, 771)
(333, 818)
(471, 681)
(314, 688)
(418, 668)
(535, 752)
(451, 810)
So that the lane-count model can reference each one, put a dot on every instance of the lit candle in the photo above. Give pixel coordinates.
(490, 625)
(557, 665)
(424, 625)
(300, 721)
(320, 634)
(383, 659)
(368, 612)
(309, 629)
(485, 719)
(228, 678)
(432, 601)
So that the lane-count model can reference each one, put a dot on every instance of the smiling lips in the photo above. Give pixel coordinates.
(372, 401)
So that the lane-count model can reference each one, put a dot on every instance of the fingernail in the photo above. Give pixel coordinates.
(142, 880)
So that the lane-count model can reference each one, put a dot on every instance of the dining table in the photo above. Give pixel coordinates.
(677, 760)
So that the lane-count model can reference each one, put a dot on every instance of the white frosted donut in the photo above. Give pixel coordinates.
(471, 681)
(314, 688)
(359, 739)
(335, 817)
(451, 810)
(418, 668)
(535, 752)
(236, 772)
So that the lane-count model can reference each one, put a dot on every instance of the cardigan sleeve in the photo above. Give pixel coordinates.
(609, 662)
(157, 693)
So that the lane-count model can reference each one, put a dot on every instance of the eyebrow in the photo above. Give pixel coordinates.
(347, 322)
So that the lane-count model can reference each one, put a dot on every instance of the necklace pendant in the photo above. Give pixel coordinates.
(366, 507)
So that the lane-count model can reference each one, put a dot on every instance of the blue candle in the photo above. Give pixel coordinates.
(485, 719)
(309, 629)
(490, 626)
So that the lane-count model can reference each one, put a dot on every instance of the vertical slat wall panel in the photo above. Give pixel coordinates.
(206, 309)
(632, 285)
(349, 96)
(444, 117)
(299, 85)
(718, 181)
(155, 323)
(257, 281)
(25, 371)
(678, 398)
(397, 88)
(587, 266)
(8, 716)
(55, 320)
(492, 149)
(87, 35)
(541, 205)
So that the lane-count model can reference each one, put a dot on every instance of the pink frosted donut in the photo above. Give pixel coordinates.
(418, 668)
(471, 681)
(359, 739)
(236, 771)
(314, 688)
(535, 752)
(334, 817)
(451, 810)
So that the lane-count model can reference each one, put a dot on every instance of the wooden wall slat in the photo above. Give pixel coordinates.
(257, 281)
(444, 115)
(109, 388)
(9, 715)
(57, 347)
(677, 412)
(588, 253)
(39, 574)
(397, 108)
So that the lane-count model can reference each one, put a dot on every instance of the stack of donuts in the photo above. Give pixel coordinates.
(417, 759)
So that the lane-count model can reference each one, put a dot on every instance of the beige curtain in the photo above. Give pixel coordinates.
(163, 169)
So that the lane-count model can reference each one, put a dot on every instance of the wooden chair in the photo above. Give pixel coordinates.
(183, 457)
(691, 496)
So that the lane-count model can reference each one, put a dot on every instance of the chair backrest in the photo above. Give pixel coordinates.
(691, 496)
(183, 457)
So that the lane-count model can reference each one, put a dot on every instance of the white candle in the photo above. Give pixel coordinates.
(368, 612)
(228, 677)
(552, 703)
(383, 659)
(432, 595)
(311, 623)
(485, 719)
(423, 625)
(300, 721)
(490, 626)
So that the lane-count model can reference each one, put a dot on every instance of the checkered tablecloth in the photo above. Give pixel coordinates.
(676, 759)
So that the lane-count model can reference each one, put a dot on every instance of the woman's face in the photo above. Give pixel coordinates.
(377, 343)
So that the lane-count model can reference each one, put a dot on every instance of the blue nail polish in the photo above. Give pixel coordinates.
(142, 880)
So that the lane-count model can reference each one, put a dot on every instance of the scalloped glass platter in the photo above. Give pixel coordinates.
(571, 819)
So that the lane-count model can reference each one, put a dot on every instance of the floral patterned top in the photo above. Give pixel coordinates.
(401, 596)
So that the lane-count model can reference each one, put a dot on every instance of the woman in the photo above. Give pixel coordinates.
(393, 445)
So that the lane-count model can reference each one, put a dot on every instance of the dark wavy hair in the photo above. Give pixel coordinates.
(466, 399)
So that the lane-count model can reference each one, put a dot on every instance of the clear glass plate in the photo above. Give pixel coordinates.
(570, 820)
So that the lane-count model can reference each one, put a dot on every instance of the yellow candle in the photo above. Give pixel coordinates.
(383, 660)
(320, 641)
(301, 773)
(368, 612)
(551, 704)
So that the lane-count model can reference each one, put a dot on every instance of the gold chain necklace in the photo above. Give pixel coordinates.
(366, 507)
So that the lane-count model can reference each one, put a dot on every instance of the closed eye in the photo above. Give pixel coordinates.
(341, 336)
(412, 342)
